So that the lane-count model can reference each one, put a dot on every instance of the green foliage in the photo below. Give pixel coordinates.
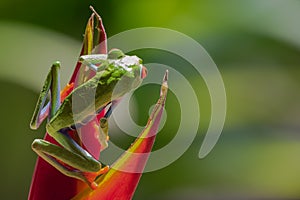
(254, 43)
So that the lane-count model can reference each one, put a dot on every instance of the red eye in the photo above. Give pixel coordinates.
(144, 72)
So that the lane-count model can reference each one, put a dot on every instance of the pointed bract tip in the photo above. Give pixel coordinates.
(94, 11)
(92, 8)
(164, 86)
(165, 79)
(166, 76)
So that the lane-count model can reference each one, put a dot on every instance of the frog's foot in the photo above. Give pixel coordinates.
(91, 176)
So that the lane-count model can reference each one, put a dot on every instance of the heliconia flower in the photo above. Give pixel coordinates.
(122, 178)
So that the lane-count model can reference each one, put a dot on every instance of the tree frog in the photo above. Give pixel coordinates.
(116, 74)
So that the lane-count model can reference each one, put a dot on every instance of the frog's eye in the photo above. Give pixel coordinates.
(115, 54)
(143, 72)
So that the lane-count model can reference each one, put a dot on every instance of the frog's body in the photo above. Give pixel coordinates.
(116, 75)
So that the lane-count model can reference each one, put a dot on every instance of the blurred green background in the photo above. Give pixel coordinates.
(256, 46)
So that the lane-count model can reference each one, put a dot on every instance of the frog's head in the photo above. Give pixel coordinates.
(132, 64)
(133, 70)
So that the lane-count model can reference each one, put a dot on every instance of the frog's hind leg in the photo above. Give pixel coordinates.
(52, 85)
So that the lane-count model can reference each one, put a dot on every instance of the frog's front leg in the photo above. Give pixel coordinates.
(96, 62)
